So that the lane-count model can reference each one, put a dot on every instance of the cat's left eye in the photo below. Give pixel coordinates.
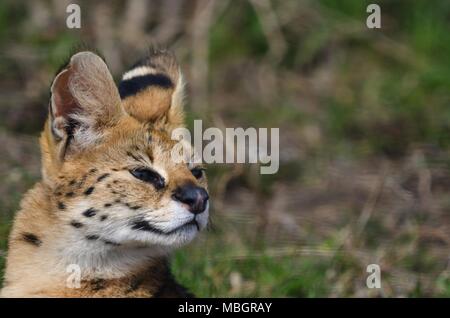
(197, 172)
(149, 176)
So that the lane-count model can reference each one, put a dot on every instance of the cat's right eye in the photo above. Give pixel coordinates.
(150, 176)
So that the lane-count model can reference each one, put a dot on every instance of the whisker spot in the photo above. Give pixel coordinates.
(32, 239)
(89, 191)
(76, 224)
(103, 176)
(90, 212)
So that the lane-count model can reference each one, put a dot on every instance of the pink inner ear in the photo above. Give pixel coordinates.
(64, 102)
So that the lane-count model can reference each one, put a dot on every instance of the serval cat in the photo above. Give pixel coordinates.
(112, 201)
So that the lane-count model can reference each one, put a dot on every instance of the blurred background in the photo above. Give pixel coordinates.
(364, 118)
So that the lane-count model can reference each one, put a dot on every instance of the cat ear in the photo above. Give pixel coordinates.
(84, 102)
(152, 91)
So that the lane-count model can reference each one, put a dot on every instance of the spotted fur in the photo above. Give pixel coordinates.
(89, 209)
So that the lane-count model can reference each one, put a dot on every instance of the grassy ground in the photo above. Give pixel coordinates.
(364, 123)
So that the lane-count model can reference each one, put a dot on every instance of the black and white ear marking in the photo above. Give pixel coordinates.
(152, 90)
(133, 82)
(144, 74)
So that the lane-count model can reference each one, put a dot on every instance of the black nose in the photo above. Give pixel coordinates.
(195, 197)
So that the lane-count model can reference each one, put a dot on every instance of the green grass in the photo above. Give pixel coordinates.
(225, 44)
(443, 284)
(209, 271)
(4, 230)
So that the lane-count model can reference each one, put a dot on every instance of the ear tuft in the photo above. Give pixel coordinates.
(152, 90)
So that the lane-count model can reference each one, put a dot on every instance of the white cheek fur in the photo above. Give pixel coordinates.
(168, 219)
(118, 226)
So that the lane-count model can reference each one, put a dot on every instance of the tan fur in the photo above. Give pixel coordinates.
(90, 170)
(157, 103)
(136, 104)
